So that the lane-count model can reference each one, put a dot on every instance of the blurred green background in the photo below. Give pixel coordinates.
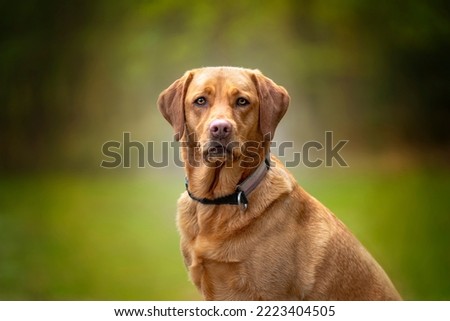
(76, 74)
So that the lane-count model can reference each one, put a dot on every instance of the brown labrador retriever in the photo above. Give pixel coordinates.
(248, 230)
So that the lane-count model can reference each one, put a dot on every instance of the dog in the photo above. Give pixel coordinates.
(248, 230)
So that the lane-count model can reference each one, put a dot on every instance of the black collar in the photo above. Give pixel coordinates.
(239, 197)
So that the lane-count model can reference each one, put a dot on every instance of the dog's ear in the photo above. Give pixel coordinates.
(273, 103)
(171, 103)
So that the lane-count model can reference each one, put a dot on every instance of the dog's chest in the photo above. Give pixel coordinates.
(214, 270)
(238, 279)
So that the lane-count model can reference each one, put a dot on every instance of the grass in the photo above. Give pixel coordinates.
(113, 237)
(103, 238)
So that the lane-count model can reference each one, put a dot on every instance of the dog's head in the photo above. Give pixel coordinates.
(223, 108)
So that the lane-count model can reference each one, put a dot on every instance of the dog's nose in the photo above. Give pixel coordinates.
(220, 128)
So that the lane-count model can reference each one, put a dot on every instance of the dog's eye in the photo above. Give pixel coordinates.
(242, 102)
(200, 101)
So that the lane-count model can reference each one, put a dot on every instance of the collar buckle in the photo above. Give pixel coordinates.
(242, 201)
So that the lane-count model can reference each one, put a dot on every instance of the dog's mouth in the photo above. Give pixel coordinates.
(214, 150)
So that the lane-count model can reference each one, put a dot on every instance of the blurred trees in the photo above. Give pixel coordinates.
(74, 74)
